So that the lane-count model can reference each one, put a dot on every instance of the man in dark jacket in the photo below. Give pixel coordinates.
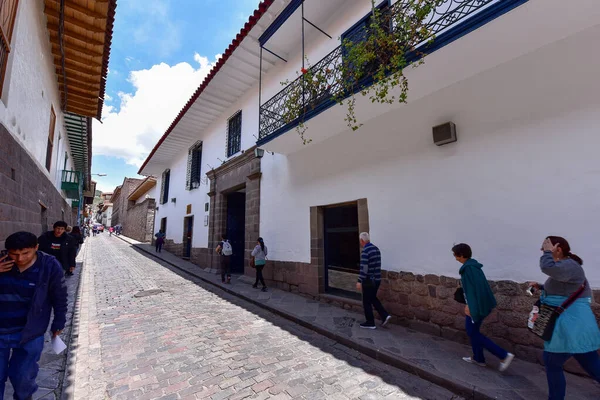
(369, 280)
(32, 285)
(60, 244)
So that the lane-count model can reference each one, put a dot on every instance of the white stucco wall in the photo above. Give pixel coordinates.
(527, 148)
(30, 90)
(213, 153)
(525, 166)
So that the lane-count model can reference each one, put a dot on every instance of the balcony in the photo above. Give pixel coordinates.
(72, 184)
(452, 20)
(74, 203)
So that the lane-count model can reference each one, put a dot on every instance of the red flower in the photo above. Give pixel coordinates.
(304, 70)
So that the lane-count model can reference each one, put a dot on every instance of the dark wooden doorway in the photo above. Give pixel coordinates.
(236, 229)
(342, 249)
(188, 232)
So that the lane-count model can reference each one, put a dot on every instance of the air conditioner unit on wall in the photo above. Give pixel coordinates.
(444, 134)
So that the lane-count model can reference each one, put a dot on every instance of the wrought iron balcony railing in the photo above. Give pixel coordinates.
(452, 15)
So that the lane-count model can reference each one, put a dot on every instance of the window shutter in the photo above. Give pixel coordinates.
(167, 179)
(188, 180)
(196, 167)
(234, 134)
(162, 188)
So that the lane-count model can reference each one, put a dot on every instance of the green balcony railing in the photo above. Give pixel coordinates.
(72, 183)
(74, 203)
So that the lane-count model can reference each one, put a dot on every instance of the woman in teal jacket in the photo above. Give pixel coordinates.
(480, 302)
(576, 332)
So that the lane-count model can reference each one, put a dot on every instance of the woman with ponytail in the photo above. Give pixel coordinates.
(576, 332)
(259, 259)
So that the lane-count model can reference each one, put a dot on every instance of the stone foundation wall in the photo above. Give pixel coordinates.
(21, 198)
(426, 303)
(139, 221)
(174, 248)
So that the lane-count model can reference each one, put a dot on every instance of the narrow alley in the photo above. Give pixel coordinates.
(145, 332)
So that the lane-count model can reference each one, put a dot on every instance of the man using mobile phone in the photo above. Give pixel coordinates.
(32, 285)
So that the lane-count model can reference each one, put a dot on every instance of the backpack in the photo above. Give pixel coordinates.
(227, 249)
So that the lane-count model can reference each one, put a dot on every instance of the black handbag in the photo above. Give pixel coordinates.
(459, 295)
(545, 322)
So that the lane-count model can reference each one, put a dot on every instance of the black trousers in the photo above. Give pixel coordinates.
(370, 300)
(259, 276)
(159, 244)
(225, 268)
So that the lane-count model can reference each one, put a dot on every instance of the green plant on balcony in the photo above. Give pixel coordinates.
(371, 64)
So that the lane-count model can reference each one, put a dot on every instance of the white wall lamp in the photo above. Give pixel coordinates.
(259, 153)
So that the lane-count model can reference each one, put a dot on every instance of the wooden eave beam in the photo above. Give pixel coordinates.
(83, 98)
(68, 33)
(78, 60)
(79, 76)
(87, 69)
(69, 4)
(76, 47)
(54, 13)
(76, 90)
(69, 53)
(82, 111)
(80, 105)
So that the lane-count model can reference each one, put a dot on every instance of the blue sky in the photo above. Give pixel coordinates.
(161, 51)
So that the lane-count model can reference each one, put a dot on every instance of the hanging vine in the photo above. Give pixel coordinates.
(370, 62)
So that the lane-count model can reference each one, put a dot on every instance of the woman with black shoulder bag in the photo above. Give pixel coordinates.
(565, 321)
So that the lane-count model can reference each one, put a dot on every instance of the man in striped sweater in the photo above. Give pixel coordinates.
(368, 283)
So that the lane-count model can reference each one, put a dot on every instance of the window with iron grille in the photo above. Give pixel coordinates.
(194, 167)
(234, 134)
(164, 189)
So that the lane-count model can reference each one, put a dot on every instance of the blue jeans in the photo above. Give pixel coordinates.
(480, 342)
(22, 366)
(557, 386)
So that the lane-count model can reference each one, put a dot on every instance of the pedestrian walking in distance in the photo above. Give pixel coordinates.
(369, 280)
(60, 244)
(160, 240)
(32, 286)
(479, 303)
(225, 250)
(259, 259)
(78, 237)
(576, 332)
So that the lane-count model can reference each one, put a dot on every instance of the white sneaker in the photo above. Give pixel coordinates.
(506, 362)
(471, 361)
(387, 319)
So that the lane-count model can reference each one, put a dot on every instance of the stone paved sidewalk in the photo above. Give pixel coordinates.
(430, 357)
(52, 378)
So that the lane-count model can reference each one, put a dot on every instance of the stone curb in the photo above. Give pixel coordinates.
(74, 333)
(438, 378)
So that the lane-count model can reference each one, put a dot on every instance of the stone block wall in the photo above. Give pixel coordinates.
(139, 221)
(24, 190)
(426, 303)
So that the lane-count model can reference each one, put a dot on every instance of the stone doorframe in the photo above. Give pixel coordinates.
(317, 235)
(238, 173)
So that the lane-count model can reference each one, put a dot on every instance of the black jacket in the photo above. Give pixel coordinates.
(50, 295)
(64, 248)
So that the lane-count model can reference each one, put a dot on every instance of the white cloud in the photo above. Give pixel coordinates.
(143, 116)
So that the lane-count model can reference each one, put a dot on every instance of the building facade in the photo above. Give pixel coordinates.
(139, 223)
(519, 170)
(45, 133)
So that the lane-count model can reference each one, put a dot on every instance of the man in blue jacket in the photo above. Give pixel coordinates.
(32, 285)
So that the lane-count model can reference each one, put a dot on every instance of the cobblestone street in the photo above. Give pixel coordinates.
(147, 332)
